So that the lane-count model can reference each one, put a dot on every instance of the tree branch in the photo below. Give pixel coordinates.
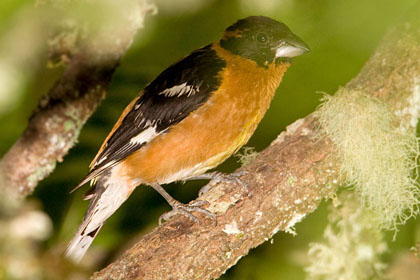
(287, 181)
(56, 123)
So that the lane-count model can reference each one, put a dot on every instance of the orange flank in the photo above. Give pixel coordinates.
(213, 132)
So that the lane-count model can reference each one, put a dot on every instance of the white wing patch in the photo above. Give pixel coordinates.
(180, 90)
(100, 160)
(144, 136)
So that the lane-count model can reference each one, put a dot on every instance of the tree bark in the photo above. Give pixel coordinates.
(60, 115)
(287, 181)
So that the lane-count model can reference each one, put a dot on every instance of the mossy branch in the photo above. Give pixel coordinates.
(287, 180)
(60, 115)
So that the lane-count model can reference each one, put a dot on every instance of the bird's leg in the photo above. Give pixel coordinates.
(181, 208)
(219, 177)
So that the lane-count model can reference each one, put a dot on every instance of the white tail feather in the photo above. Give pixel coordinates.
(78, 247)
(108, 197)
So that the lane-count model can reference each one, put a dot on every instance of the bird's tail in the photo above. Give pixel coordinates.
(106, 197)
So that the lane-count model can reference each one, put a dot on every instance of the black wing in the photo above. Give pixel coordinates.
(172, 96)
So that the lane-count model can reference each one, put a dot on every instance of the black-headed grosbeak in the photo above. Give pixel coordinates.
(192, 117)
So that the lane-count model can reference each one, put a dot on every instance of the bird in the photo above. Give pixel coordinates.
(188, 120)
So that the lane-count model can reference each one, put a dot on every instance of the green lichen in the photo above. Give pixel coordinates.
(73, 125)
(377, 157)
(291, 180)
(246, 155)
(41, 172)
(74, 114)
(69, 125)
(228, 255)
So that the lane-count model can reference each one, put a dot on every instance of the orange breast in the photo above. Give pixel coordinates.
(214, 131)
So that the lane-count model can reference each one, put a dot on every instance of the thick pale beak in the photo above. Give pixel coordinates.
(292, 47)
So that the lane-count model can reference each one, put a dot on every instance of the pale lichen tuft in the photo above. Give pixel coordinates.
(377, 157)
(352, 245)
(246, 155)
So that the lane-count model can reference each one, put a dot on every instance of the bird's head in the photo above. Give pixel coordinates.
(263, 40)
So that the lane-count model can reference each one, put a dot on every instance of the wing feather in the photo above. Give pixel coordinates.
(167, 100)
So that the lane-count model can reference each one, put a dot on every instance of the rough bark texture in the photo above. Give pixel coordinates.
(55, 125)
(287, 181)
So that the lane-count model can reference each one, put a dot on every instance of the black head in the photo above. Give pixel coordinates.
(262, 39)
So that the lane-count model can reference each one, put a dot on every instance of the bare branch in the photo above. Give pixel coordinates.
(287, 181)
(56, 123)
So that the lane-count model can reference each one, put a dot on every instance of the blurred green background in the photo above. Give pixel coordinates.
(342, 35)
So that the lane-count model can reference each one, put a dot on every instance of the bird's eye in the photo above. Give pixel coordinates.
(261, 38)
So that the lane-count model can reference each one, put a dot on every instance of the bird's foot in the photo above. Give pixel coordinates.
(218, 177)
(179, 208)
